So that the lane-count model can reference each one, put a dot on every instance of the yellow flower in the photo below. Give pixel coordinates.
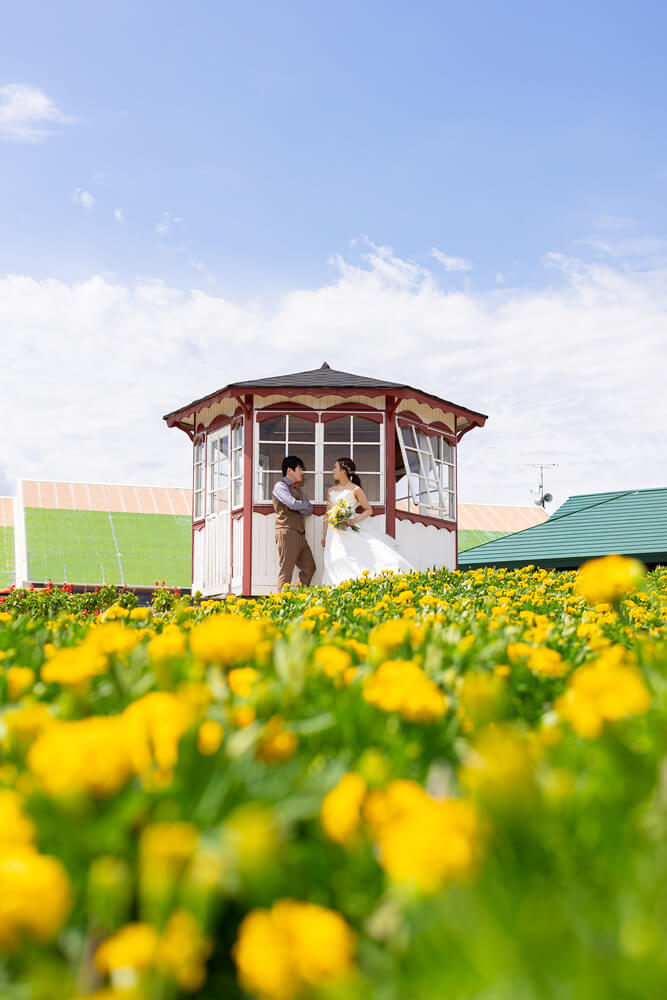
(30, 720)
(547, 661)
(16, 829)
(332, 660)
(132, 947)
(90, 755)
(608, 689)
(243, 716)
(19, 679)
(422, 840)
(154, 725)
(608, 578)
(182, 951)
(340, 814)
(228, 640)
(401, 686)
(277, 743)
(5, 616)
(386, 639)
(167, 643)
(74, 665)
(209, 737)
(35, 896)
(282, 952)
(241, 680)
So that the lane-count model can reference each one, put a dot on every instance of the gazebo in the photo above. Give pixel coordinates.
(404, 442)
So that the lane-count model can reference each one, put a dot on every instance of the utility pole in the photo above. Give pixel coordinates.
(542, 497)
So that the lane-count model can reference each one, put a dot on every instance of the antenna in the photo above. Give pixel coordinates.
(542, 497)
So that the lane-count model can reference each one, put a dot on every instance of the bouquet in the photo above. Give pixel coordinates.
(339, 515)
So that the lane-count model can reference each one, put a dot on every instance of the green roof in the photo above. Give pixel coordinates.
(629, 522)
(95, 547)
(6, 556)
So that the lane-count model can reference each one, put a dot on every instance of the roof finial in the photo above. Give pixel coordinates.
(325, 365)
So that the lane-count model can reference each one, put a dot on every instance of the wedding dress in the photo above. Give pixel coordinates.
(348, 553)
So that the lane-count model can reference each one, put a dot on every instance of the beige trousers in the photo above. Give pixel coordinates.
(294, 550)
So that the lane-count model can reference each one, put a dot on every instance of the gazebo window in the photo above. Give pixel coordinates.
(360, 438)
(286, 434)
(237, 464)
(429, 485)
(218, 471)
(198, 480)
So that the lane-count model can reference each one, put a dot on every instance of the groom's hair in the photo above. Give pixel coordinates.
(292, 462)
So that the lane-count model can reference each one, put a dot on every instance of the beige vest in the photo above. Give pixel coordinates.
(286, 518)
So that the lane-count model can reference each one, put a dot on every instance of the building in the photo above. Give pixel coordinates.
(89, 534)
(482, 522)
(627, 522)
(404, 442)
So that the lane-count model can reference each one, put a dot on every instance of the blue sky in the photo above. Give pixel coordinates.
(280, 132)
(469, 196)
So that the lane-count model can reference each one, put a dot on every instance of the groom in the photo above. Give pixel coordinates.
(291, 506)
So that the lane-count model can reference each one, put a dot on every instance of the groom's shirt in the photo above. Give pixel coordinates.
(290, 506)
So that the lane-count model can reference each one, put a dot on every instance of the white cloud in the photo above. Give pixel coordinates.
(451, 263)
(572, 373)
(118, 215)
(83, 198)
(27, 114)
(165, 222)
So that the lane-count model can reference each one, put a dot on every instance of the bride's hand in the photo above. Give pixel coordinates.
(324, 542)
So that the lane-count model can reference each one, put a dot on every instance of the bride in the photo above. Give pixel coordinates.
(348, 553)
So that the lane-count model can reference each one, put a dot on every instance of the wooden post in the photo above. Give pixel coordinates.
(248, 482)
(390, 466)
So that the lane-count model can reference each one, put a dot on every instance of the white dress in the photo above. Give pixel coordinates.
(348, 553)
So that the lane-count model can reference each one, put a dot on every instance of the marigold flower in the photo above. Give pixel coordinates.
(35, 896)
(282, 952)
(332, 660)
(132, 947)
(422, 840)
(277, 743)
(182, 951)
(209, 737)
(241, 680)
(546, 661)
(609, 689)
(19, 680)
(340, 813)
(608, 578)
(15, 827)
(228, 640)
(401, 686)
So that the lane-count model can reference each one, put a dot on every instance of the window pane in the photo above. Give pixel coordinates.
(446, 451)
(367, 457)
(237, 463)
(422, 441)
(408, 434)
(265, 483)
(271, 455)
(306, 452)
(273, 429)
(332, 452)
(371, 487)
(199, 476)
(413, 460)
(300, 429)
(365, 429)
(337, 429)
(237, 436)
(238, 492)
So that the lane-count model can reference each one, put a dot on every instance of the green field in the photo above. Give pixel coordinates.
(6, 557)
(95, 547)
(468, 538)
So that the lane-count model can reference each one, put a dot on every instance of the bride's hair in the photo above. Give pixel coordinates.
(349, 468)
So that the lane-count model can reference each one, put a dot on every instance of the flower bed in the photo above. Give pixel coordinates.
(435, 785)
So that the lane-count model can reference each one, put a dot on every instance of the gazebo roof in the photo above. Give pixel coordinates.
(324, 377)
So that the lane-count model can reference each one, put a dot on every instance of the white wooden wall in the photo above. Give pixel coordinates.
(424, 545)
